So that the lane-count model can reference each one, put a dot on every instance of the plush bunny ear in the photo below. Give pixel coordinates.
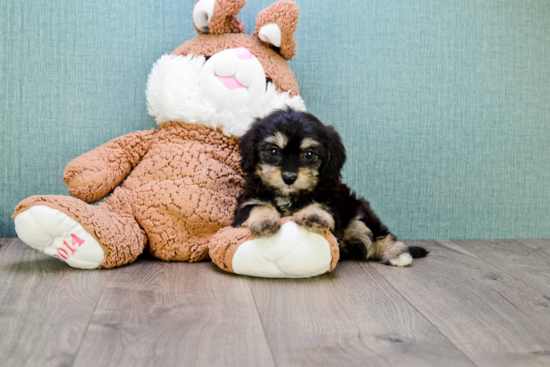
(218, 16)
(276, 25)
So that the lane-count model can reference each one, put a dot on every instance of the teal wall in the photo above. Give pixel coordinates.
(444, 105)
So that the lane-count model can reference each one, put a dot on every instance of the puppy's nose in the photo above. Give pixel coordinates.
(243, 53)
(289, 178)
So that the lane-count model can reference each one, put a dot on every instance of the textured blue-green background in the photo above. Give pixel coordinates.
(444, 105)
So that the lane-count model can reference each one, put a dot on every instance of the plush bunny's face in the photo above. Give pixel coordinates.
(229, 79)
(232, 78)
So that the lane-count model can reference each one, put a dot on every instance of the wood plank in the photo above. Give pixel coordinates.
(539, 244)
(494, 318)
(350, 317)
(45, 306)
(527, 260)
(166, 314)
(4, 241)
(7, 241)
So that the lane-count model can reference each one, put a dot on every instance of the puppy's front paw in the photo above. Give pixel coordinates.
(263, 221)
(314, 218)
(265, 227)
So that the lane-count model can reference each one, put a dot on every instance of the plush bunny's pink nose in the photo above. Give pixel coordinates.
(243, 53)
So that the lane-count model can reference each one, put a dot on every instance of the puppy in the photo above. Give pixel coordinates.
(292, 165)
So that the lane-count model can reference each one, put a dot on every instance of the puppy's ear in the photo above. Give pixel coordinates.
(336, 154)
(247, 147)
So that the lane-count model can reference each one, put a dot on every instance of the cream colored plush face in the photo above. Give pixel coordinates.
(227, 91)
(232, 79)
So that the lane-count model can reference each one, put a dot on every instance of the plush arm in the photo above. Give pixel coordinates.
(93, 175)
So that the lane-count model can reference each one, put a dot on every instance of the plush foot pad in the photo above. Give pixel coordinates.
(293, 252)
(56, 234)
(404, 259)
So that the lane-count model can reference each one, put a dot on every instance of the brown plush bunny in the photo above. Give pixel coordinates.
(173, 190)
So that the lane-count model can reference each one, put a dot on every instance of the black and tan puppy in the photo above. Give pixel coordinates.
(292, 165)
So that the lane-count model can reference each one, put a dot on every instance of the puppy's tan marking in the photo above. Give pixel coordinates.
(306, 180)
(255, 202)
(279, 139)
(358, 231)
(272, 177)
(315, 218)
(308, 143)
(263, 221)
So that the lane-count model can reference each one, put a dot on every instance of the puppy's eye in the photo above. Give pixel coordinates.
(274, 152)
(308, 155)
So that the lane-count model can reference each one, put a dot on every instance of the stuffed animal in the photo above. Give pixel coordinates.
(173, 190)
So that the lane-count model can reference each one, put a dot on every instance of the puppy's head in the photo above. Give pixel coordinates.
(292, 152)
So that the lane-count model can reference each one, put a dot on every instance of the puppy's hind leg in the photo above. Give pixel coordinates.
(391, 252)
(358, 243)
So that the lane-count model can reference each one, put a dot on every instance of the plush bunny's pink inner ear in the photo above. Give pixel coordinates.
(218, 16)
(276, 24)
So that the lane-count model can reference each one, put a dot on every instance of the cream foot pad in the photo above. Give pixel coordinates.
(293, 252)
(56, 234)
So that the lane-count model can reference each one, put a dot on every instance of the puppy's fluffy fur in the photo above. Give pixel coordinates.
(292, 165)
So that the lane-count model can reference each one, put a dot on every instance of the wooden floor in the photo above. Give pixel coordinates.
(484, 303)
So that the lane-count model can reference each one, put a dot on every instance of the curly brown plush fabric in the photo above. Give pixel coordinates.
(178, 195)
(95, 174)
(185, 189)
(276, 69)
(285, 14)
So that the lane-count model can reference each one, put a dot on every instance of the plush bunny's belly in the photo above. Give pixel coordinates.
(184, 190)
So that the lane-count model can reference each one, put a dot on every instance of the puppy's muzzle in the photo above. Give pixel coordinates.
(289, 178)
